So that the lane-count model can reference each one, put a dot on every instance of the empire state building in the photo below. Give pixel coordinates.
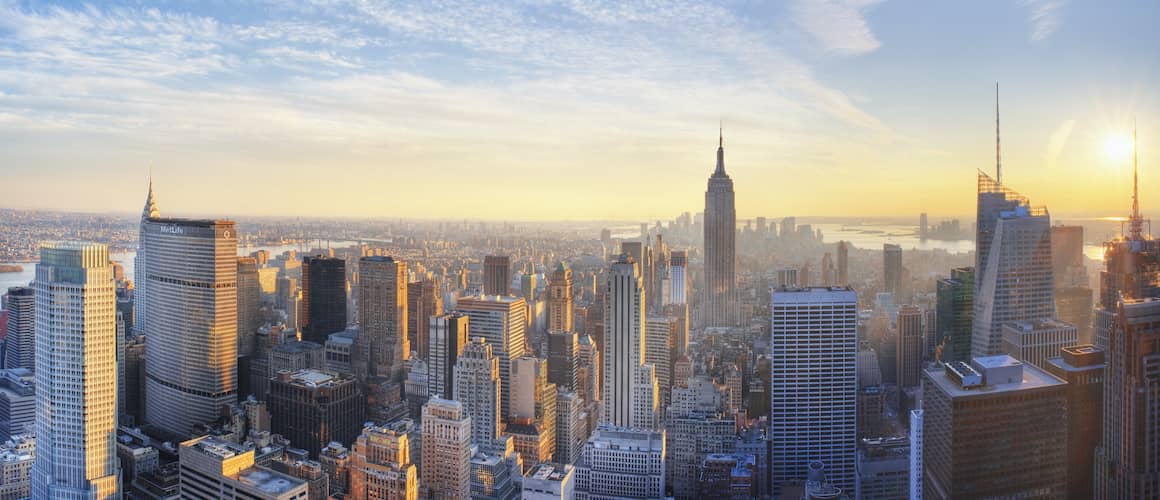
(720, 307)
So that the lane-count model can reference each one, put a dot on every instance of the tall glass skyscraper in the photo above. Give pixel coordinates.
(76, 373)
(187, 270)
(720, 305)
(814, 383)
(502, 322)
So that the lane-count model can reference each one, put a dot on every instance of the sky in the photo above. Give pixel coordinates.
(574, 109)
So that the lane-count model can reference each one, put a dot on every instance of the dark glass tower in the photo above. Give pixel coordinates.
(720, 305)
(323, 297)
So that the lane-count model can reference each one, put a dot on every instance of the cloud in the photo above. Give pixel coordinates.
(1045, 16)
(1058, 141)
(838, 25)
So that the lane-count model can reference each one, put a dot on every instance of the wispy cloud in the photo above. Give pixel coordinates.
(1045, 17)
(1057, 142)
(838, 25)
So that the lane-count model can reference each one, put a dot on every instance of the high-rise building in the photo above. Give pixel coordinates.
(622, 463)
(477, 387)
(214, 469)
(678, 277)
(829, 272)
(323, 309)
(17, 403)
(1082, 367)
(249, 298)
(380, 465)
(16, 458)
(533, 412)
(502, 322)
(1034, 342)
(187, 276)
(311, 408)
(497, 275)
(720, 293)
(883, 468)
(992, 429)
(382, 342)
(448, 336)
(659, 334)
(446, 473)
(813, 389)
(550, 482)
(76, 373)
(955, 297)
(423, 303)
(335, 460)
(917, 418)
(571, 427)
(843, 263)
(910, 343)
(20, 339)
(1013, 277)
(564, 359)
(1073, 293)
(891, 271)
(630, 390)
(560, 299)
(699, 423)
(922, 225)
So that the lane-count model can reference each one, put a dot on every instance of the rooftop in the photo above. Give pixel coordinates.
(620, 438)
(814, 294)
(550, 472)
(216, 447)
(1038, 325)
(1033, 378)
(314, 378)
(268, 481)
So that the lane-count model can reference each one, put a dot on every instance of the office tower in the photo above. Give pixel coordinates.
(828, 271)
(678, 278)
(17, 456)
(416, 388)
(1131, 270)
(560, 299)
(339, 351)
(922, 225)
(189, 282)
(381, 465)
(891, 270)
(1073, 293)
(955, 297)
(1034, 342)
(528, 286)
(571, 427)
(1013, 280)
(477, 386)
(916, 467)
(293, 356)
(550, 482)
(843, 263)
(249, 298)
(496, 471)
(622, 463)
(20, 339)
(884, 468)
(659, 334)
(382, 347)
(140, 294)
(628, 381)
(533, 410)
(699, 423)
(323, 309)
(309, 471)
(134, 382)
(446, 445)
(17, 403)
(497, 275)
(720, 293)
(213, 468)
(76, 373)
(680, 341)
(448, 336)
(909, 354)
(311, 408)
(501, 321)
(1082, 367)
(813, 390)
(728, 475)
(423, 303)
(787, 278)
(984, 421)
(335, 460)
(591, 367)
(564, 359)
(1128, 461)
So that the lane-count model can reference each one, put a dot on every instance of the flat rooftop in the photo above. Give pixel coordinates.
(814, 294)
(216, 447)
(627, 439)
(1033, 378)
(1039, 325)
(269, 481)
(550, 472)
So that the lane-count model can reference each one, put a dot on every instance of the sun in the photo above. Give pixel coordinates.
(1118, 147)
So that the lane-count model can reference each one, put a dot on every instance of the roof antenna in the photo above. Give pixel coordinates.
(998, 161)
(1137, 229)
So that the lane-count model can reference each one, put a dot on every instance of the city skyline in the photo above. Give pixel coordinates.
(344, 98)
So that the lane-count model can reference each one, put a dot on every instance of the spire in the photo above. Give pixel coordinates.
(150, 211)
(1136, 221)
(720, 171)
(998, 161)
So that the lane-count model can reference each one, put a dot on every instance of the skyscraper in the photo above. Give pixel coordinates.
(560, 299)
(891, 270)
(423, 303)
(1033, 342)
(501, 321)
(497, 275)
(1013, 277)
(311, 408)
(140, 274)
(627, 379)
(622, 463)
(249, 296)
(323, 297)
(213, 468)
(20, 339)
(678, 281)
(1073, 293)
(76, 373)
(909, 353)
(477, 387)
(446, 473)
(720, 292)
(448, 336)
(1082, 367)
(382, 342)
(843, 263)
(813, 389)
(564, 359)
(188, 276)
(381, 467)
(955, 296)
(533, 410)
